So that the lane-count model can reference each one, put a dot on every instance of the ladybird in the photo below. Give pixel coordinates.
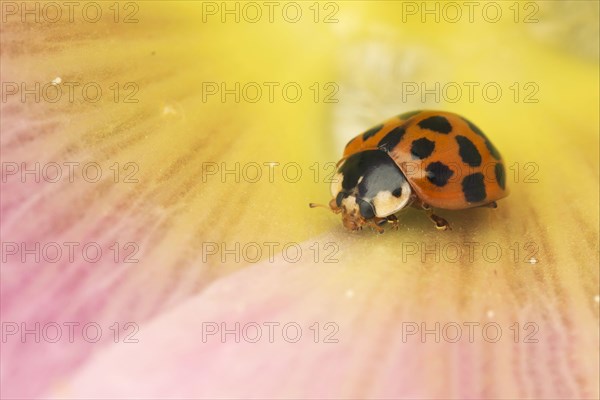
(424, 159)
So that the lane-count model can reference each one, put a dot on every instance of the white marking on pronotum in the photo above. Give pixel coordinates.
(336, 184)
(387, 204)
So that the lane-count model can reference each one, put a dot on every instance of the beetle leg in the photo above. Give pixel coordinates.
(440, 223)
(392, 219)
(375, 226)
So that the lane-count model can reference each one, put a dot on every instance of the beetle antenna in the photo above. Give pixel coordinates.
(331, 207)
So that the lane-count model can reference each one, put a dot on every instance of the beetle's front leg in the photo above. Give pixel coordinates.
(375, 224)
(392, 219)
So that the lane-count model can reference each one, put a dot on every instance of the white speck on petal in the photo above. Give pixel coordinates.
(532, 261)
(490, 314)
(57, 81)
(349, 293)
(168, 110)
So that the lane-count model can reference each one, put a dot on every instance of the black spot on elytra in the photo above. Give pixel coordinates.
(492, 149)
(437, 124)
(500, 175)
(397, 192)
(371, 132)
(393, 137)
(408, 114)
(473, 187)
(366, 209)
(438, 173)
(422, 148)
(468, 152)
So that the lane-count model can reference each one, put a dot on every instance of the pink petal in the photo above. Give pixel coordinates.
(375, 355)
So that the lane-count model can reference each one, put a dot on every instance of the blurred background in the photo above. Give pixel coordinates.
(158, 159)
